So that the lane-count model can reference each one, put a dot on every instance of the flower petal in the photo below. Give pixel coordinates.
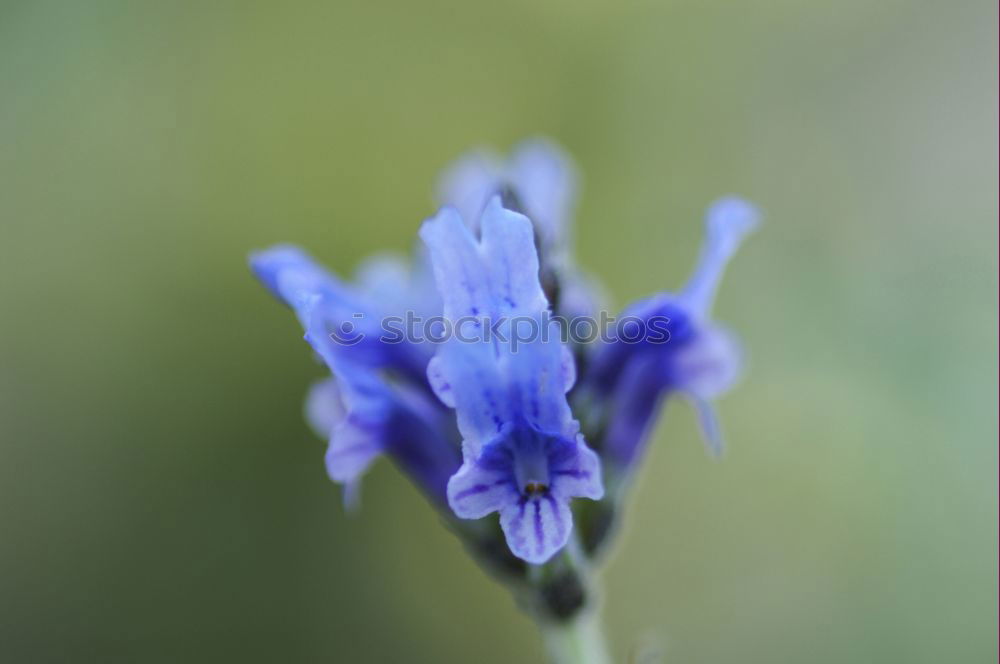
(458, 270)
(469, 184)
(466, 377)
(362, 412)
(439, 382)
(324, 408)
(708, 422)
(537, 529)
(577, 475)
(360, 434)
(475, 491)
(353, 447)
(539, 174)
(495, 280)
(293, 276)
(632, 408)
(709, 365)
(509, 255)
(545, 179)
(538, 378)
(727, 222)
(567, 368)
(395, 286)
(492, 278)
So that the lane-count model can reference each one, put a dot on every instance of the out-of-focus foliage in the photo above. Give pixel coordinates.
(160, 496)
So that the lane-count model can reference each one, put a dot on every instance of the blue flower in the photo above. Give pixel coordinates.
(363, 412)
(523, 455)
(489, 420)
(538, 174)
(538, 179)
(698, 359)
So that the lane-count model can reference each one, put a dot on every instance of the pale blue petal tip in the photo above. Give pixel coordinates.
(729, 219)
(269, 264)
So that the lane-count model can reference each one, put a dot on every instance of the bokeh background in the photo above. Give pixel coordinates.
(161, 499)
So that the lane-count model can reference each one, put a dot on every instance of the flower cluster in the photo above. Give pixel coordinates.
(543, 434)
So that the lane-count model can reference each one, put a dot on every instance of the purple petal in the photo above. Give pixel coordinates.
(709, 365)
(439, 382)
(324, 407)
(727, 222)
(708, 421)
(578, 475)
(394, 285)
(495, 279)
(567, 369)
(469, 183)
(458, 266)
(511, 261)
(474, 492)
(537, 529)
(465, 376)
(352, 449)
(539, 375)
(544, 177)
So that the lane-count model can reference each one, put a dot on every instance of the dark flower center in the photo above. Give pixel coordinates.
(535, 488)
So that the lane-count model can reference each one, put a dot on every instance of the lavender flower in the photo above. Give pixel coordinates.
(363, 412)
(700, 360)
(492, 422)
(538, 178)
(524, 455)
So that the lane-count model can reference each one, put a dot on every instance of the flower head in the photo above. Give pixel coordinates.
(697, 358)
(523, 454)
(494, 418)
(363, 411)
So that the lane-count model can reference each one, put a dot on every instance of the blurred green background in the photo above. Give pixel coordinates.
(161, 499)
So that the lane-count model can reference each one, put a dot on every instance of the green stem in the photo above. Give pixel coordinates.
(579, 641)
